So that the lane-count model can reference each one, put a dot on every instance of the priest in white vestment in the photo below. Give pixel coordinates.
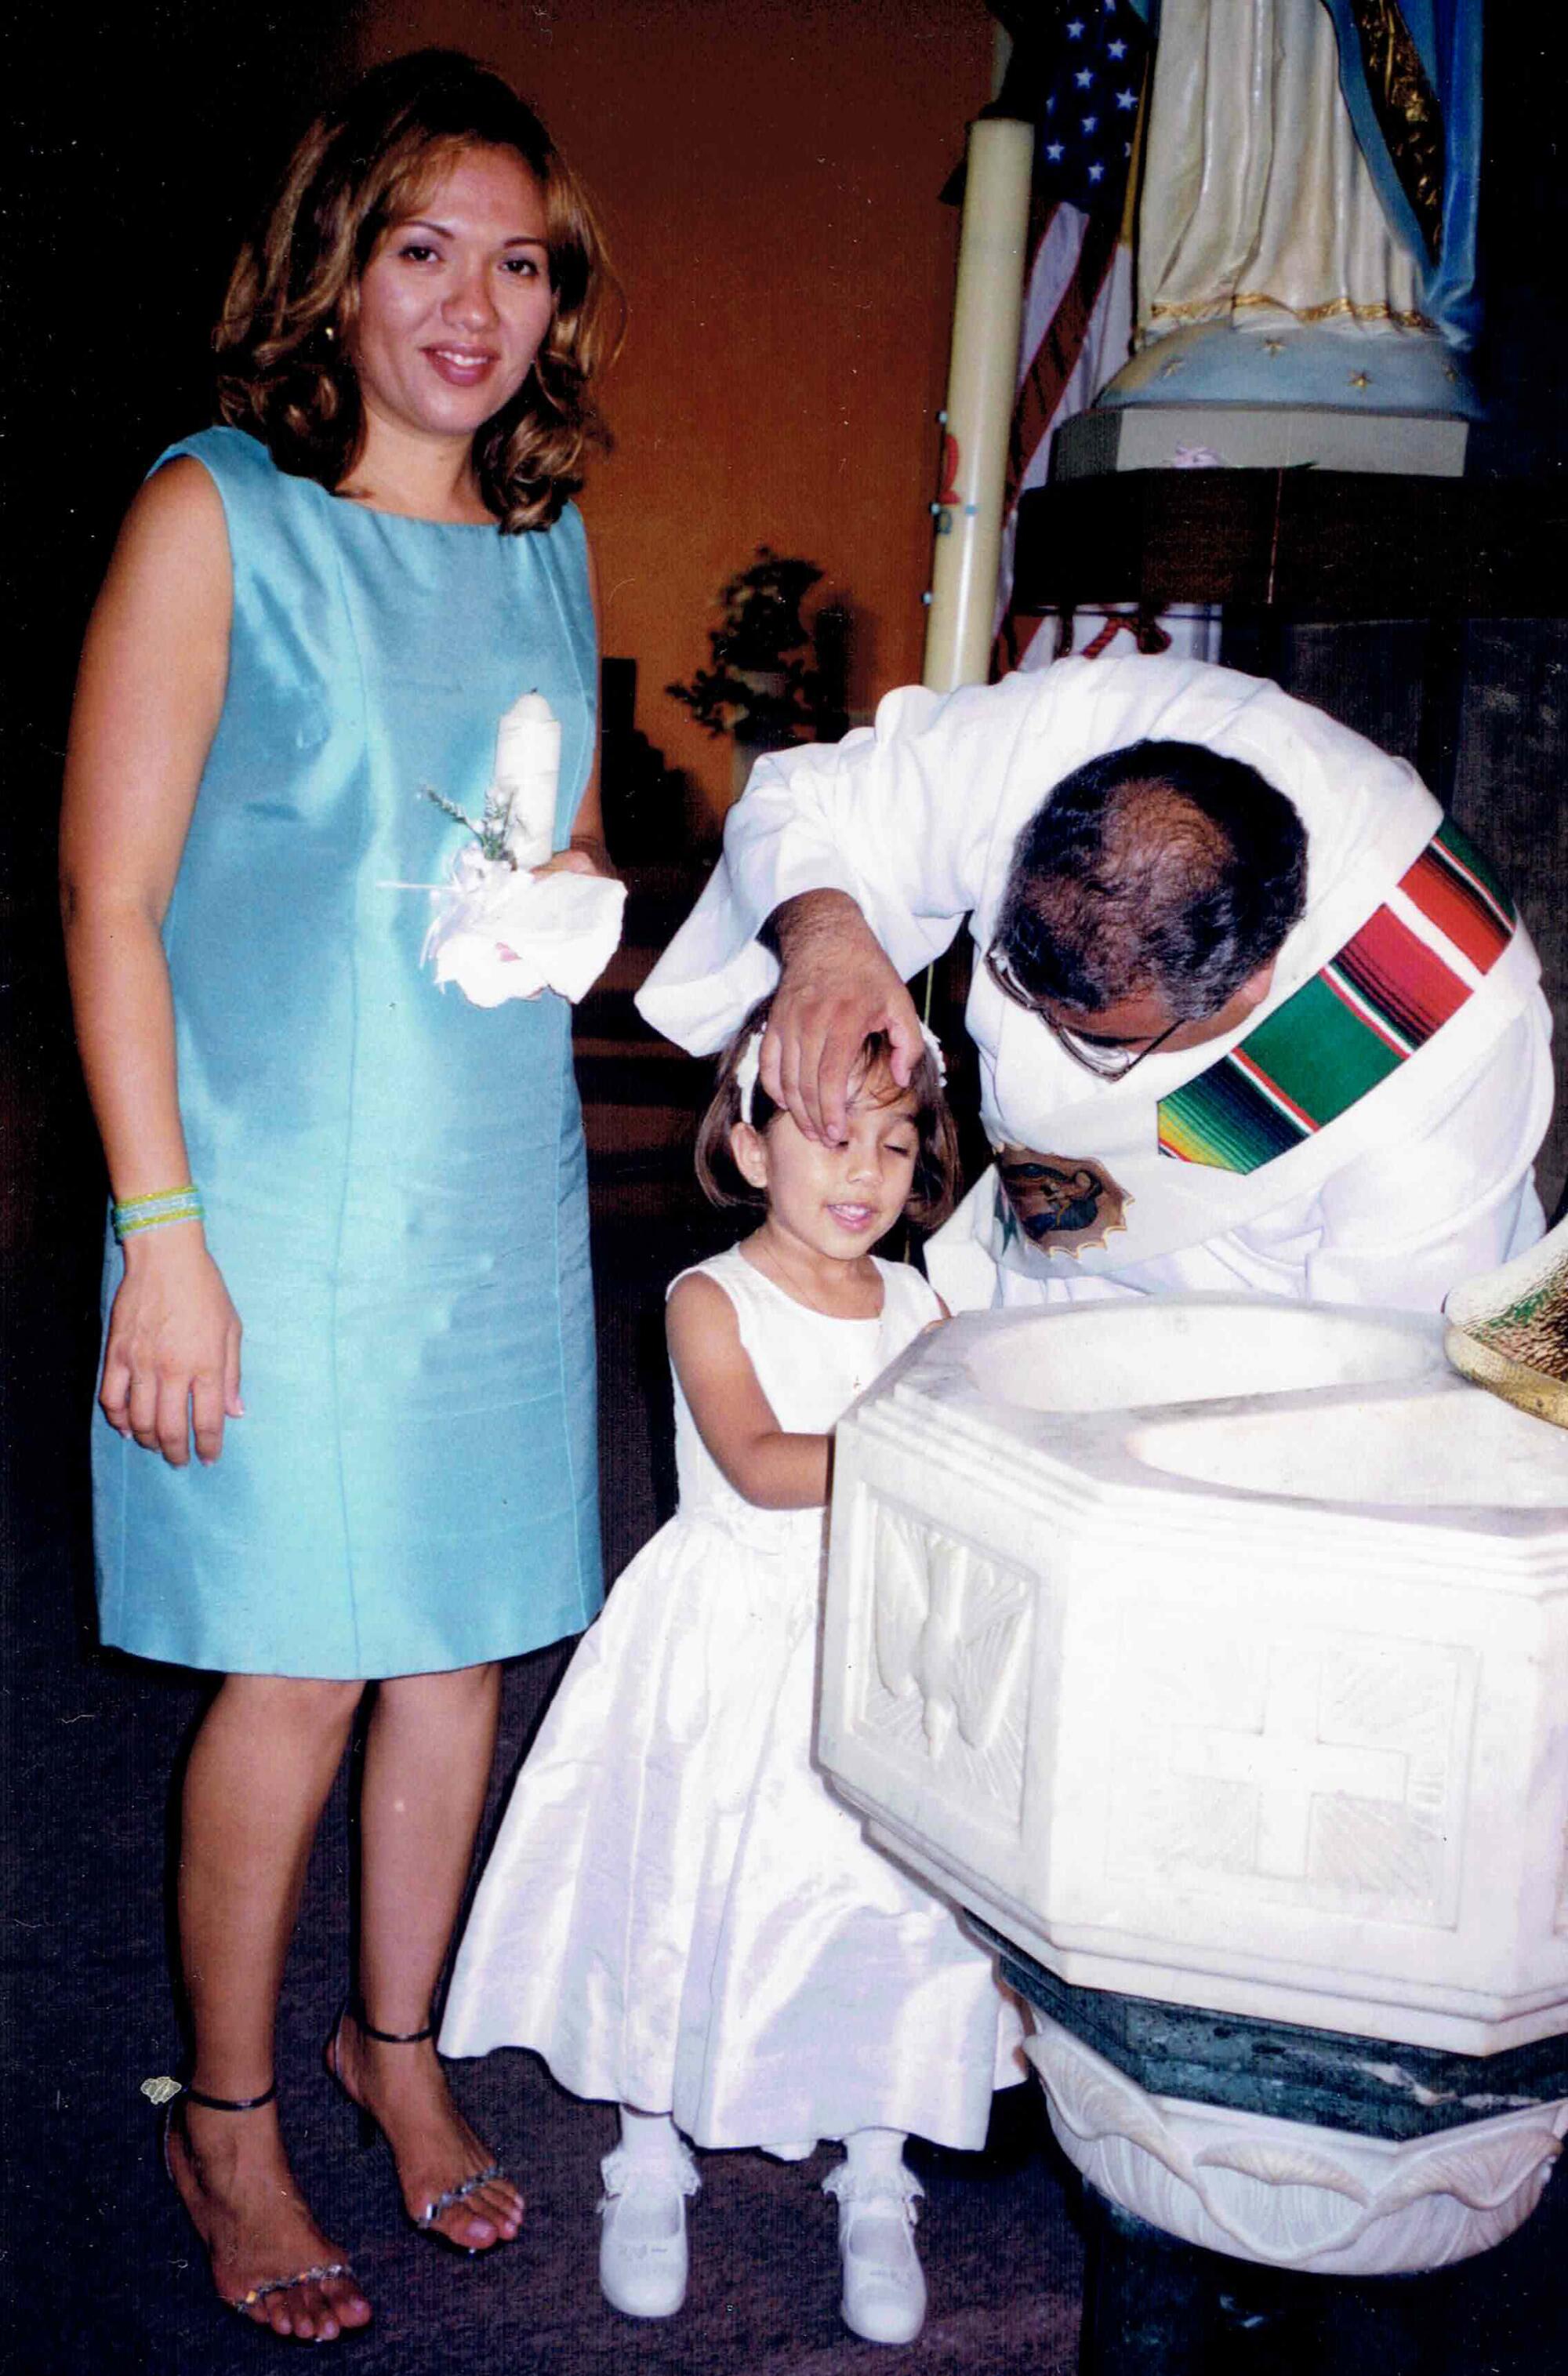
(1357, 1123)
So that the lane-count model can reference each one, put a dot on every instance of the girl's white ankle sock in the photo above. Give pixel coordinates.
(874, 2153)
(651, 2139)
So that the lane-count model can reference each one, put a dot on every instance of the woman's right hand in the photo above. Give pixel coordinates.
(172, 1362)
(149, 699)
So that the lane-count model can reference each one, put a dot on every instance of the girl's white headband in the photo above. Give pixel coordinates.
(748, 1065)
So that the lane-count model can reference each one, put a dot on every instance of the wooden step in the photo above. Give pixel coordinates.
(642, 1096)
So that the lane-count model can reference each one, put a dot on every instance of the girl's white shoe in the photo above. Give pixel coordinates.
(642, 2240)
(883, 2299)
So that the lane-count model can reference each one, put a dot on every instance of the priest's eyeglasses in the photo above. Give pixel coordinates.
(1107, 1060)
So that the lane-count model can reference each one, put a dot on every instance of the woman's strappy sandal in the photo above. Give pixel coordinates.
(370, 2129)
(319, 2270)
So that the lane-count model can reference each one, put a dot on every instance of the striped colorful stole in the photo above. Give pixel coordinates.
(1356, 1022)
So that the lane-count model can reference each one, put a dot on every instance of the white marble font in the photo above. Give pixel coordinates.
(1210, 1649)
(1214, 1651)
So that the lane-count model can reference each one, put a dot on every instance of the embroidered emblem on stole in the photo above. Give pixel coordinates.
(1062, 1203)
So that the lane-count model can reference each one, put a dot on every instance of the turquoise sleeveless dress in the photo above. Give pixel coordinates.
(394, 1179)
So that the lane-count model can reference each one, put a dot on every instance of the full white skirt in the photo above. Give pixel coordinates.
(678, 1914)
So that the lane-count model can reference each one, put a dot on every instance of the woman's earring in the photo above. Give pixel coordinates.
(329, 334)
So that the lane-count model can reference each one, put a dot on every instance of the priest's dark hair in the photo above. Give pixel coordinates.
(1162, 868)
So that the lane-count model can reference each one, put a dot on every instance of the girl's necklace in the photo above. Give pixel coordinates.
(776, 1274)
(766, 1260)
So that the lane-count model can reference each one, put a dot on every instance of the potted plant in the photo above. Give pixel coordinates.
(762, 687)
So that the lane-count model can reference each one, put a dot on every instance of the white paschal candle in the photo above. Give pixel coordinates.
(528, 765)
(987, 310)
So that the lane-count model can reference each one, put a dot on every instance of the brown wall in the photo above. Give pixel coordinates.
(768, 175)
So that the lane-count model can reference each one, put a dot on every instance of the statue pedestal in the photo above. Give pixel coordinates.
(1256, 437)
(1277, 394)
(1267, 359)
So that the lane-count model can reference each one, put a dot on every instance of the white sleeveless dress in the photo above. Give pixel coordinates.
(678, 1914)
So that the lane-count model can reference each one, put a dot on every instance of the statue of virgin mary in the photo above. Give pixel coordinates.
(1306, 224)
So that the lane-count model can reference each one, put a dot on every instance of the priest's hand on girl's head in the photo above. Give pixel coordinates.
(837, 986)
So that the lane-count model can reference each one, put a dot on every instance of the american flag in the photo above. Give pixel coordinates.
(1077, 71)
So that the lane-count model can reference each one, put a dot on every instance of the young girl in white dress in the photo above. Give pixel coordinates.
(678, 1915)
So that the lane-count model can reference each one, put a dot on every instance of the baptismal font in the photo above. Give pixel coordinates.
(1207, 1651)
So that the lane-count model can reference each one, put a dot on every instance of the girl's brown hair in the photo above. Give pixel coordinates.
(284, 374)
(934, 1188)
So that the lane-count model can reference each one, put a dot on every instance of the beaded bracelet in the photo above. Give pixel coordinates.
(139, 1213)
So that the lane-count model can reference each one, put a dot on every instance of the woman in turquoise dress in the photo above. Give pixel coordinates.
(313, 621)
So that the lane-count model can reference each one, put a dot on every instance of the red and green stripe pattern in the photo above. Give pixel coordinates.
(1356, 1022)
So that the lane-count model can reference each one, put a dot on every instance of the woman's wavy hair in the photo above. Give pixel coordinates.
(934, 1188)
(284, 373)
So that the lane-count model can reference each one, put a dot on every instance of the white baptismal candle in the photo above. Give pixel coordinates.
(527, 764)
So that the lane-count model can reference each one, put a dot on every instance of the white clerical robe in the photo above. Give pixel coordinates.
(1425, 1179)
